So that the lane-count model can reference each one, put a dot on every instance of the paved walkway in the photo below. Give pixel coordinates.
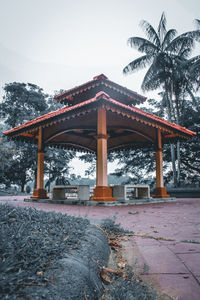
(166, 241)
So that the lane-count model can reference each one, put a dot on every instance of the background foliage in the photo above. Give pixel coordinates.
(21, 103)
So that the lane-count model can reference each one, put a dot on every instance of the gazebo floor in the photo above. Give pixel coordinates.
(72, 201)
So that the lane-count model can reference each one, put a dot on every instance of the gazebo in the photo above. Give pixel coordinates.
(100, 116)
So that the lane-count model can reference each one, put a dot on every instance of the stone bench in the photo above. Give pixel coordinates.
(82, 191)
(128, 192)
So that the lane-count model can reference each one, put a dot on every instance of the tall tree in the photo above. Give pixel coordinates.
(164, 51)
(23, 102)
(139, 163)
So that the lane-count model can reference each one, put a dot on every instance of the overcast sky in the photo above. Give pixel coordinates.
(58, 44)
(62, 43)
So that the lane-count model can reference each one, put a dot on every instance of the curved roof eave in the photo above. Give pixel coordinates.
(67, 112)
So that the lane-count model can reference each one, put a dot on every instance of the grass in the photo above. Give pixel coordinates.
(129, 287)
(111, 227)
(30, 242)
(157, 238)
(124, 282)
(190, 241)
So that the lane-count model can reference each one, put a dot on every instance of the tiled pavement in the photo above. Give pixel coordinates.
(166, 240)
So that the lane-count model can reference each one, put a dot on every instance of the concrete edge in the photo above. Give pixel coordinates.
(77, 274)
(97, 203)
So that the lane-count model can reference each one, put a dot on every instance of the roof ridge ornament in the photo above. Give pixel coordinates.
(101, 76)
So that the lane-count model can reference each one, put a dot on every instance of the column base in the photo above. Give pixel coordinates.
(160, 193)
(39, 194)
(103, 193)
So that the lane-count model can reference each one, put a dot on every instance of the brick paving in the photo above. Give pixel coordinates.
(166, 239)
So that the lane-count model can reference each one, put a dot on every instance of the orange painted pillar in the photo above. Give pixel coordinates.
(160, 191)
(102, 192)
(40, 192)
(40, 170)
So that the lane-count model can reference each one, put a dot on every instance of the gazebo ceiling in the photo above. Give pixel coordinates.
(76, 126)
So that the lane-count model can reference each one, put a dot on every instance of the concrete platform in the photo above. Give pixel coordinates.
(165, 247)
(72, 201)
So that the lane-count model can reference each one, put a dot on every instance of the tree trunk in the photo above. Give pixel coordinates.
(23, 181)
(173, 164)
(193, 100)
(22, 186)
(178, 143)
(49, 186)
(169, 113)
(178, 163)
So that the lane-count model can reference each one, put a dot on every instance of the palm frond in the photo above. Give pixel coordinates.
(150, 32)
(169, 36)
(194, 59)
(142, 45)
(154, 77)
(184, 52)
(195, 35)
(153, 84)
(159, 72)
(197, 21)
(194, 69)
(179, 44)
(162, 27)
(138, 64)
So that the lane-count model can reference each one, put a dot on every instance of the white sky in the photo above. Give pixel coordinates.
(62, 43)
(59, 44)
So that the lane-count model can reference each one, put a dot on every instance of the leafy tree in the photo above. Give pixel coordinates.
(57, 160)
(56, 166)
(23, 102)
(190, 151)
(167, 56)
(6, 155)
(139, 163)
(136, 165)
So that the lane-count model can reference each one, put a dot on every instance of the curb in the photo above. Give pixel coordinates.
(77, 276)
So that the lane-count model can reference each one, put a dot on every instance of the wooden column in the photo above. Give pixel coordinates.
(102, 192)
(160, 191)
(40, 170)
(40, 192)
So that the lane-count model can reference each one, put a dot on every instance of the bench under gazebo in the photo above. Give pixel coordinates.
(100, 117)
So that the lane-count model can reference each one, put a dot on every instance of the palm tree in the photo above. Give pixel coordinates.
(165, 53)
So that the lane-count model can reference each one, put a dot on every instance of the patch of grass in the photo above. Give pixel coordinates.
(122, 282)
(157, 238)
(190, 241)
(30, 242)
(128, 287)
(110, 226)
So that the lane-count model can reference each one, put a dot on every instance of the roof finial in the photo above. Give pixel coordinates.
(102, 76)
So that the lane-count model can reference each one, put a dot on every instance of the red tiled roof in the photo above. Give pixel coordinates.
(48, 116)
(154, 117)
(97, 80)
(106, 98)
